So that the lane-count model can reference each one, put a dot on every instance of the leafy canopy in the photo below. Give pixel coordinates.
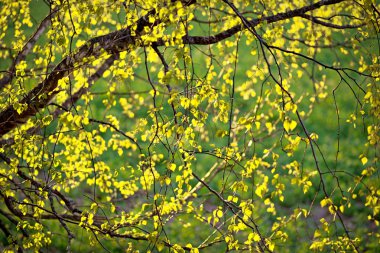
(189, 125)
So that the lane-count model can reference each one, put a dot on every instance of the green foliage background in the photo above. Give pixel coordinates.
(341, 141)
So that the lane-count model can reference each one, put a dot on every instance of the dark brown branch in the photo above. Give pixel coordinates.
(27, 48)
(74, 98)
(330, 25)
(68, 203)
(4, 229)
(70, 235)
(91, 80)
(13, 221)
(112, 43)
(200, 40)
(40, 96)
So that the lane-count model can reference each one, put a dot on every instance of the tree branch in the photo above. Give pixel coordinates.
(27, 48)
(115, 42)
